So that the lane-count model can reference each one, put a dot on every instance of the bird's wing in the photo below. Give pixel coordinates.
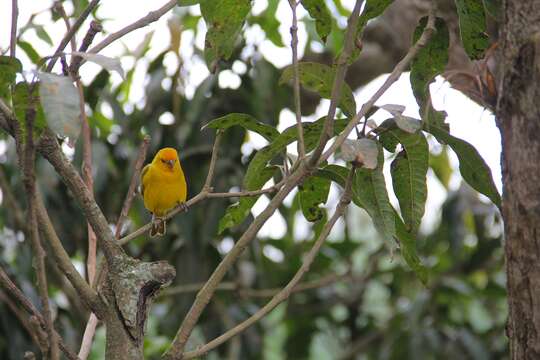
(143, 173)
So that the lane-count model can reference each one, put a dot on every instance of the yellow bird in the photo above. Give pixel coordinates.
(163, 186)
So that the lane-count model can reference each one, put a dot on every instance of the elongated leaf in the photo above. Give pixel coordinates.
(409, 170)
(246, 121)
(60, 101)
(323, 20)
(472, 26)
(108, 63)
(9, 67)
(237, 212)
(29, 51)
(472, 166)
(371, 189)
(224, 20)
(320, 78)
(312, 193)
(252, 179)
(430, 60)
(42, 34)
(407, 241)
(440, 164)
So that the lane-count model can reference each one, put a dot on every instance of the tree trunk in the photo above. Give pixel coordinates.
(518, 117)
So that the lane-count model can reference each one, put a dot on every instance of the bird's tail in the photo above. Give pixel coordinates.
(159, 226)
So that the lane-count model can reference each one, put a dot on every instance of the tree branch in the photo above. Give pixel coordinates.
(283, 294)
(88, 295)
(13, 37)
(69, 35)
(259, 293)
(296, 85)
(28, 162)
(142, 22)
(342, 63)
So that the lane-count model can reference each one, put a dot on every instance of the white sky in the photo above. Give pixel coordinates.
(467, 120)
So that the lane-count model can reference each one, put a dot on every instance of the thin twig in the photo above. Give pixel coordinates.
(71, 33)
(284, 293)
(95, 27)
(400, 67)
(87, 294)
(203, 195)
(296, 84)
(14, 18)
(39, 254)
(258, 293)
(142, 22)
(328, 130)
(59, 8)
(14, 291)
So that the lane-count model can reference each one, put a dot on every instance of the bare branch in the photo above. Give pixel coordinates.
(392, 78)
(142, 22)
(259, 293)
(328, 130)
(12, 289)
(88, 295)
(71, 33)
(13, 37)
(95, 27)
(296, 83)
(288, 289)
(28, 161)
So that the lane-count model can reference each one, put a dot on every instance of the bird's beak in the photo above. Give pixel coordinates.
(170, 163)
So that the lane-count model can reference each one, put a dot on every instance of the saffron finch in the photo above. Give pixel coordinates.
(163, 186)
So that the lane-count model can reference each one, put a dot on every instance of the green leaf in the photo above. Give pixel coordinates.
(268, 22)
(440, 164)
(224, 20)
(320, 78)
(407, 243)
(430, 60)
(43, 35)
(472, 26)
(21, 101)
(371, 191)
(9, 67)
(312, 193)
(409, 170)
(338, 174)
(61, 103)
(323, 20)
(237, 212)
(472, 166)
(246, 121)
(29, 51)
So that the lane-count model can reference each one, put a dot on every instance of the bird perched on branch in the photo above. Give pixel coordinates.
(163, 186)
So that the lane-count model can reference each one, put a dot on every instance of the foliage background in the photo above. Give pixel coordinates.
(379, 310)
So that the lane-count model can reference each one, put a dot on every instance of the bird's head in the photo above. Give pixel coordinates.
(167, 157)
